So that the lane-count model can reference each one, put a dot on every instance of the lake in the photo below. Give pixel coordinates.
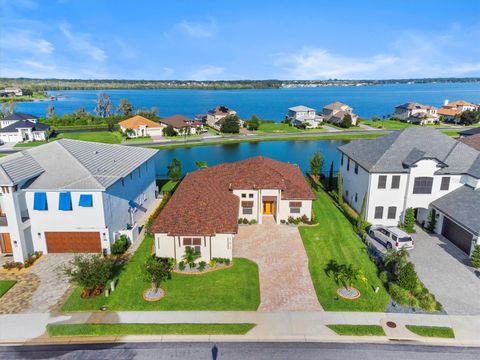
(269, 104)
(296, 152)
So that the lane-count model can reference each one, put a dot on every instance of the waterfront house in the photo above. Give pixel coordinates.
(336, 111)
(302, 115)
(138, 126)
(73, 196)
(203, 212)
(182, 124)
(216, 115)
(18, 127)
(419, 168)
(7, 92)
(416, 113)
(450, 111)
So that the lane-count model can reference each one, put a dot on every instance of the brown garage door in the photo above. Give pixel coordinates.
(457, 235)
(77, 242)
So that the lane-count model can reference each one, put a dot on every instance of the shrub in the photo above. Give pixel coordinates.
(202, 265)
(151, 218)
(407, 277)
(227, 261)
(169, 131)
(253, 222)
(245, 221)
(384, 277)
(475, 259)
(399, 294)
(304, 219)
(88, 271)
(37, 254)
(240, 221)
(12, 265)
(290, 220)
(181, 265)
(428, 302)
(19, 265)
(432, 220)
(213, 263)
(190, 257)
(409, 223)
(119, 246)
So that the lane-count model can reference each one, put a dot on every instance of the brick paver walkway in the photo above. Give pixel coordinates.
(285, 282)
(19, 297)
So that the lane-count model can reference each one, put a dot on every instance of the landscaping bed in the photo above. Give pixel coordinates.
(432, 331)
(6, 285)
(234, 288)
(358, 330)
(147, 329)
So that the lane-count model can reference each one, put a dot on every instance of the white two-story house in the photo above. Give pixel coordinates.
(18, 127)
(73, 196)
(418, 168)
(416, 113)
(205, 209)
(302, 115)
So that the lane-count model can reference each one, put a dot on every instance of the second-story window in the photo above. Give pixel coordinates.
(445, 183)
(423, 185)
(395, 181)
(382, 182)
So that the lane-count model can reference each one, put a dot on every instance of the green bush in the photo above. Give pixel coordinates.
(120, 245)
(88, 271)
(202, 265)
(245, 221)
(384, 277)
(213, 263)
(409, 223)
(253, 222)
(475, 259)
(181, 265)
(407, 277)
(428, 302)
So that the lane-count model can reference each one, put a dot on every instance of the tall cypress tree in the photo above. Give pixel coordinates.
(339, 188)
(330, 177)
(361, 217)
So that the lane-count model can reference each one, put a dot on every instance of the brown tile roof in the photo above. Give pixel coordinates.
(136, 121)
(459, 103)
(448, 112)
(472, 141)
(337, 105)
(204, 203)
(177, 121)
(414, 105)
(220, 110)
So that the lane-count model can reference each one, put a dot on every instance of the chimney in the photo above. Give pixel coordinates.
(445, 102)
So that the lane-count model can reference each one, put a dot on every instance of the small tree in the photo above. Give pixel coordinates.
(158, 271)
(475, 258)
(316, 163)
(406, 277)
(169, 131)
(230, 124)
(81, 113)
(394, 261)
(330, 177)
(175, 169)
(104, 105)
(348, 275)
(88, 271)
(409, 221)
(347, 121)
(51, 112)
(339, 188)
(375, 118)
(201, 164)
(253, 123)
(190, 257)
(360, 225)
(432, 220)
(124, 107)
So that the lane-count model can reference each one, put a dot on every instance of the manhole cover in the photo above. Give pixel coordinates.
(391, 324)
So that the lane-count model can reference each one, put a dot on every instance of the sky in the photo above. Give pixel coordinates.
(239, 39)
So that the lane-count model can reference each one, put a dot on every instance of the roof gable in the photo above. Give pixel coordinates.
(137, 121)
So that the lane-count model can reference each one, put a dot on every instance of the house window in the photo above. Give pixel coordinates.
(250, 196)
(295, 207)
(356, 168)
(247, 207)
(382, 182)
(396, 182)
(379, 212)
(356, 197)
(445, 183)
(244, 196)
(392, 212)
(348, 164)
(423, 185)
(193, 243)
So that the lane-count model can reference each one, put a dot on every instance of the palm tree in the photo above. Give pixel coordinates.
(190, 257)
(348, 274)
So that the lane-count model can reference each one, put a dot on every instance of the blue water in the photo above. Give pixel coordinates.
(267, 103)
(296, 152)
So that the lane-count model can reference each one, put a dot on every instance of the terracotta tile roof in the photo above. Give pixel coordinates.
(136, 121)
(472, 141)
(414, 105)
(204, 203)
(448, 112)
(177, 121)
(337, 105)
(459, 103)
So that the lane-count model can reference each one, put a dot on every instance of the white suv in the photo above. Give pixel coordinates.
(391, 237)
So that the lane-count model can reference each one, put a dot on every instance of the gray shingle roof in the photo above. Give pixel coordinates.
(301, 108)
(76, 165)
(468, 213)
(13, 128)
(470, 132)
(18, 167)
(397, 151)
(20, 116)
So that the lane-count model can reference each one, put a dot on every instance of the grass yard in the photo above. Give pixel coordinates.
(453, 133)
(29, 144)
(269, 128)
(235, 288)
(335, 239)
(138, 139)
(147, 329)
(432, 331)
(6, 285)
(358, 330)
(387, 124)
(107, 137)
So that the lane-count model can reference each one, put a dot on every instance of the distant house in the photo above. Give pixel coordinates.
(451, 110)
(215, 116)
(416, 113)
(336, 111)
(11, 92)
(140, 126)
(179, 122)
(19, 127)
(302, 115)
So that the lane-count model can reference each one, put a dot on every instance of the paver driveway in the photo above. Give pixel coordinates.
(285, 283)
(441, 267)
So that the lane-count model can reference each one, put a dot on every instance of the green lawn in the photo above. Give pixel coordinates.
(334, 239)
(138, 139)
(147, 329)
(30, 144)
(388, 124)
(235, 288)
(432, 331)
(168, 186)
(268, 128)
(6, 285)
(358, 330)
(107, 137)
(453, 133)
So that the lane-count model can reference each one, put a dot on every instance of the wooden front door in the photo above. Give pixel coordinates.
(268, 207)
(6, 243)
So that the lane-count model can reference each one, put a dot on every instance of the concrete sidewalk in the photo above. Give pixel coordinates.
(275, 326)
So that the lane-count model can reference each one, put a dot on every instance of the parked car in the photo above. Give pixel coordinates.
(391, 237)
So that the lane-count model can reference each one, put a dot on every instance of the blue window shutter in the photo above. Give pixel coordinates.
(65, 202)
(40, 201)
(86, 200)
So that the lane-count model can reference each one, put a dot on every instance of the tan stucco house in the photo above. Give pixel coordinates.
(141, 126)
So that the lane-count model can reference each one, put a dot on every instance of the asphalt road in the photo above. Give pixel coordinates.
(239, 350)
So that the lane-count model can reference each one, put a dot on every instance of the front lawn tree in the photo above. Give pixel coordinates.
(316, 164)
(104, 105)
(347, 121)
(169, 131)
(175, 170)
(158, 271)
(409, 222)
(349, 274)
(230, 124)
(124, 107)
(253, 123)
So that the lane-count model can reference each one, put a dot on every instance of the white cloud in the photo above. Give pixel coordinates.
(26, 41)
(197, 29)
(208, 72)
(126, 50)
(81, 44)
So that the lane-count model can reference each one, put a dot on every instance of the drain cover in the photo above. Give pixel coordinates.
(391, 324)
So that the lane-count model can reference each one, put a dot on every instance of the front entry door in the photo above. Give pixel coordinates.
(6, 243)
(268, 207)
